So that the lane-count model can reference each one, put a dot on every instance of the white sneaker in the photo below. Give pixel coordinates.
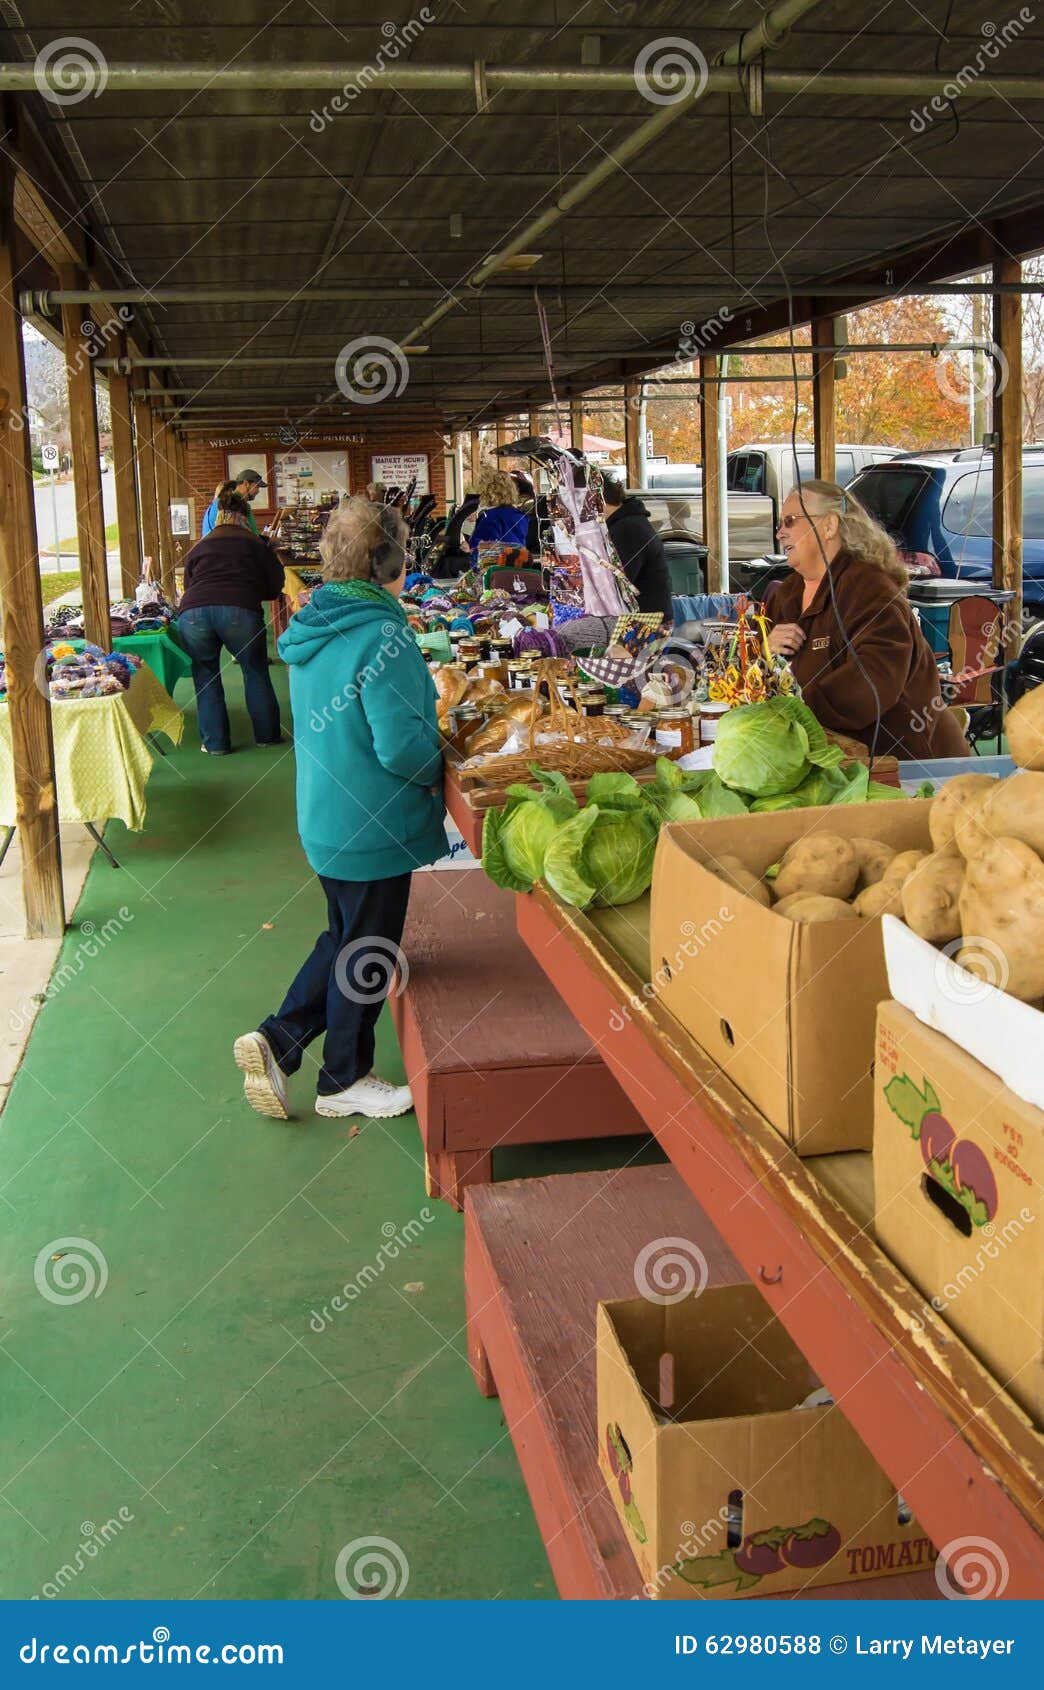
(371, 1096)
(264, 1083)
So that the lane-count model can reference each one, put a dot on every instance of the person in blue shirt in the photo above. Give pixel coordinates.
(499, 520)
(369, 811)
(248, 486)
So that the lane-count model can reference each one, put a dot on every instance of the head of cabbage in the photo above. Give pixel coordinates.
(515, 838)
(604, 855)
(768, 749)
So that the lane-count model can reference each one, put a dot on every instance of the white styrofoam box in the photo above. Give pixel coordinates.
(458, 855)
(1004, 1034)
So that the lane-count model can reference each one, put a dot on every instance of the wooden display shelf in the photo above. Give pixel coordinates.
(491, 1052)
(951, 1439)
(539, 1255)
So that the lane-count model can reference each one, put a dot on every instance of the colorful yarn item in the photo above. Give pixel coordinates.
(542, 642)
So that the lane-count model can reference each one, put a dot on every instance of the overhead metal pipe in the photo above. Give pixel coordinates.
(479, 79)
(45, 302)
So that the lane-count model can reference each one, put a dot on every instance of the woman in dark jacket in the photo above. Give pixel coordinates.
(853, 638)
(227, 576)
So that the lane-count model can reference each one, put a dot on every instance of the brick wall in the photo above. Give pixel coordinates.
(205, 464)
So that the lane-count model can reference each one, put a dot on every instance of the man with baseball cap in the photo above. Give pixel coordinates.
(248, 484)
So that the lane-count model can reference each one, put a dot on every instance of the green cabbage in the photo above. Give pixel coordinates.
(602, 856)
(768, 749)
(515, 838)
(690, 795)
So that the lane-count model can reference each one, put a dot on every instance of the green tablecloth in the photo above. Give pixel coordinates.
(165, 656)
(102, 759)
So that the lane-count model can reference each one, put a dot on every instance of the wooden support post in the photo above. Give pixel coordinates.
(476, 457)
(121, 405)
(86, 455)
(150, 545)
(632, 425)
(505, 434)
(713, 492)
(28, 706)
(1007, 456)
(161, 461)
(824, 413)
(576, 424)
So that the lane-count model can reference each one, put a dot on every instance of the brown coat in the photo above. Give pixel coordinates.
(864, 638)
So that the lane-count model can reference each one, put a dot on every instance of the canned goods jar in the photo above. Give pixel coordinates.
(469, 647)
(710, 716)
(592, 701)
(637, 720)
(521, 676)
(488, 670)
(675, 732)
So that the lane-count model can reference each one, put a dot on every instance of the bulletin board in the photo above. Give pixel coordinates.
(303, 476)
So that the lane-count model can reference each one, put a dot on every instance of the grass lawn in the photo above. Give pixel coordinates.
(57, 587)
(70, 548)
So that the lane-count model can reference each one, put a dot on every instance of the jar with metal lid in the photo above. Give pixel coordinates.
(592, 701)
(470, 647)
(616, 711)
(521, 675)
(675, 733)
(637, 720)
(710, 716)
(488, 669)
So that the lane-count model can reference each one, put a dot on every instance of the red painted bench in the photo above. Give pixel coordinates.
(539, 1255)
(491, 1052)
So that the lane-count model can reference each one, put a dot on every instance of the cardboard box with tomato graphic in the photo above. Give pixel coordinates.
(958, 1172)
(728, 1481)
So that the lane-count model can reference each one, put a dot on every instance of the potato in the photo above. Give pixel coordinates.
(1011, 809)
(874, 857)
(902, 865)
(742, 879)
(883, 898)
(1024, 726)
(954, 800)
(820, 863)
(929, 898)
(812, 906)
(1002, 916)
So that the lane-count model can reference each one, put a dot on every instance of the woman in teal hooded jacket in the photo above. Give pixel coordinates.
(369, 811)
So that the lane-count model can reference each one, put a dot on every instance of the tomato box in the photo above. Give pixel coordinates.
(728, 1481)
(786, 1008)
(958, 1171)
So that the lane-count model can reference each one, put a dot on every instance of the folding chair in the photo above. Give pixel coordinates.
(976, 639)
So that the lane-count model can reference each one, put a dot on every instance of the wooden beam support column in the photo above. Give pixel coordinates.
(29, 709)
(1007, 457)
(576, 424)
(476, 457)
(632, 441)
(121, 404)
(86, 455)
(505, 433)
(713, 492)
(161, 463)
(150, 546)
(824, 411)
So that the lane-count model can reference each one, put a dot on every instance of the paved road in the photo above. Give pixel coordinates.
(64, 501)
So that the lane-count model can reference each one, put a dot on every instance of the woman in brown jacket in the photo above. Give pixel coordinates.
(853, 638)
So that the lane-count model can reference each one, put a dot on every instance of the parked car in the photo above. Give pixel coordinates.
(773, 467)
(938, 507)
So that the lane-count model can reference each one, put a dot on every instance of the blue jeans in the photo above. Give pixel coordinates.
(203, 633)
(341, 988)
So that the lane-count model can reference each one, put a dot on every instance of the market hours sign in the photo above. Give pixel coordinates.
(397, 469)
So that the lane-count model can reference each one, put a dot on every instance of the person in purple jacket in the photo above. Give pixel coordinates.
(499, 521)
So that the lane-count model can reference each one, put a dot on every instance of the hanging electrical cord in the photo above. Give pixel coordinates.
(795, 412)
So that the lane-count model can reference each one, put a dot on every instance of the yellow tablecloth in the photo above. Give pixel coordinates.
(102, 759)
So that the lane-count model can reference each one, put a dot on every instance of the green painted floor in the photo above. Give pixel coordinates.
(233, 1441)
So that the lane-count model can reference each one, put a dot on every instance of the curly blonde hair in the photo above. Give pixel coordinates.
(858, 533)
(353, 534)
(496, 487)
